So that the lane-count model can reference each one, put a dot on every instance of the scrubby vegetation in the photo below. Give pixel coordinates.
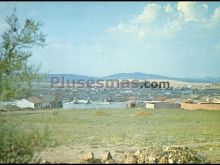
(18, 145)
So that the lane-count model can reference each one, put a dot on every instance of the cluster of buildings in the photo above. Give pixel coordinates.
(183, 105)
(160, 103)
(173, 98)
(37, 102)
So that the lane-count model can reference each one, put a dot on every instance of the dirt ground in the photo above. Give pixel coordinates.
(74, 154)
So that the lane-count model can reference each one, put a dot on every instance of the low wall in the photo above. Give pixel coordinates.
(166, 105)
(93, 106)
(149, 105)
(162, 105)
(193, 106)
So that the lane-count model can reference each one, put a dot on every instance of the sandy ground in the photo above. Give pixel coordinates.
(74, 154)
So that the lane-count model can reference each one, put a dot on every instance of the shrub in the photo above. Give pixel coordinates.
(55, 113)
(17, 145)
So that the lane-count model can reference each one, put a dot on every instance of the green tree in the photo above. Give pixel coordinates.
(16, 75)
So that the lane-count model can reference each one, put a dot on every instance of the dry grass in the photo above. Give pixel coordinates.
(123, 127)
(142, 114)
(101, 113)
(3, 110)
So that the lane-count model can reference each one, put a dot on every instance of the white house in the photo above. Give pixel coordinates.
(23, 103)
(32, 102)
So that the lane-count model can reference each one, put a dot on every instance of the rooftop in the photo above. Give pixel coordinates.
(36, 99)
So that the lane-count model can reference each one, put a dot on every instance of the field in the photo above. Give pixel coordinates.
(74, 132)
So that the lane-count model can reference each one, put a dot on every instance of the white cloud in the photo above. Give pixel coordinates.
(171, 28)
(149, 14)
(143, 25)
(192, 11)
(165, 21)
(216, 16)
(214, 19)
(168, 8)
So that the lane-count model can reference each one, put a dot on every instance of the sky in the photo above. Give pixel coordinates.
(175, 39)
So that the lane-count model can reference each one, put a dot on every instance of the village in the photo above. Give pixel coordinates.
(185, 97)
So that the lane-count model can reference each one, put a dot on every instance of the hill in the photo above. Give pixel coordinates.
(135, 75)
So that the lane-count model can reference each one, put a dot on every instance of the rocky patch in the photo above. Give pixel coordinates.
(151, 155)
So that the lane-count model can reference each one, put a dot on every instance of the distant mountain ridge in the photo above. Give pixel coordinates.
(134, 75)
(68, 77)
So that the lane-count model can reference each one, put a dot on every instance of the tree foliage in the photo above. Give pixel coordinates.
(16, 75)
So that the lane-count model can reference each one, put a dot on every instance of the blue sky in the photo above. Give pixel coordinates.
(176, 39)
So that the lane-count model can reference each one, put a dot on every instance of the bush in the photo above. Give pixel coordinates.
(55, 113)
(17, 146)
